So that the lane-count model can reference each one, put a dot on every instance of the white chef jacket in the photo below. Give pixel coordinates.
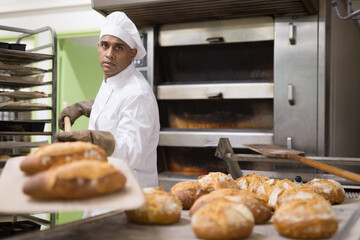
(126, 106)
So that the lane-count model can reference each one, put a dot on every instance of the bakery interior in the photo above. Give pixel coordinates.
(226, 74)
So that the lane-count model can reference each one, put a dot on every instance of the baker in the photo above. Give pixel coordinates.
(124, 118)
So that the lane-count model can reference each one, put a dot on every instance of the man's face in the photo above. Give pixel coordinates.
(114, 55)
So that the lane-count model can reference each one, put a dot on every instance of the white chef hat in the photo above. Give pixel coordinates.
(119, 25)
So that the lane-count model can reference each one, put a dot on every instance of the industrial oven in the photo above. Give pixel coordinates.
(263, 72)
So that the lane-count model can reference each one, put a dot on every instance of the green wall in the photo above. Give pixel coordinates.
(80, 74)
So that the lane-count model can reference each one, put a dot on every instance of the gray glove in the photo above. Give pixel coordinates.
(105, 140)
(75, 111)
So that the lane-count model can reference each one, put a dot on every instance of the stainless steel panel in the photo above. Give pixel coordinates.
(211, 139)
(297, 65)
(226, 31)
(152, 12)
(225, 91)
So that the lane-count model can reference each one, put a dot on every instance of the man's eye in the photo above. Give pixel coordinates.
(119, 47)
(104, 45)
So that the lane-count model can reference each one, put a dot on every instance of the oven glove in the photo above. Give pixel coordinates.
(75, 111)
(103, 139)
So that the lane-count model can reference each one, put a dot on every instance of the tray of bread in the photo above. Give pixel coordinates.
(253, 207)
(68, 177)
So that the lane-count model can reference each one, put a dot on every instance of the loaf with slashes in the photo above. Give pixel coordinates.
(56, 154)
(75, 180)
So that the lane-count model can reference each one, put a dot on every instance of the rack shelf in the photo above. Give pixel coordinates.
(17, 78)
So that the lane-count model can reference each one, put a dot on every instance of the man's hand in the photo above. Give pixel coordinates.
(75, 111)
(105, 140)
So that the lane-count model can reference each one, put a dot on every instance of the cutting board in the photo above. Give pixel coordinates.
(13, 200)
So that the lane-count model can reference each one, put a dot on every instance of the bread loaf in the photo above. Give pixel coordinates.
(187, 192)
(297, 193)
(75, 180)
(221, 219)
(258, 207)
(330, 189)
(216, 180)
(60, 153)
(305, 218)
(160, 208)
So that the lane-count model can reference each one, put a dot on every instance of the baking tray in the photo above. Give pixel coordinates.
(19, 57)
(19, 70)
(13, 200)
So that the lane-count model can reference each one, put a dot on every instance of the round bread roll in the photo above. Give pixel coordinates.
(249, 180)
(160, 208)
(294, 193)
(216, 180)
(305, 218)
(330, 189)
(222, 219)
(276, 188)
(187, 192)
(258, 207)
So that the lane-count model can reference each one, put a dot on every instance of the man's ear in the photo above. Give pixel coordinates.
(133, 53)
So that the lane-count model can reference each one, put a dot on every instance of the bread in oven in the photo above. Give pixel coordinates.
(250, 181)
(75, 180)
(221, 219)
(187, 192)
(160, 208)
(60, 153)
(330, 189)
(258, 207)
(305, 218)
(216, 180)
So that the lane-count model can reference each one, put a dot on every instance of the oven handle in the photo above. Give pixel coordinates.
(215, 39)
(215, 95)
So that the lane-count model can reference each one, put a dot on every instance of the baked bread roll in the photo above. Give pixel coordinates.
(160, 208)
(258, 207)
(251, 181)
(305, 218)
(297, 193)
(187, 192)
(216, 180)
(328, 188)
(75, 180)
(59, 153)
(221, 219)
(276, 188)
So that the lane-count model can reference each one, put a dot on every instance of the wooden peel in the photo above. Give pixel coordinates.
(282, 152)
(67, 124)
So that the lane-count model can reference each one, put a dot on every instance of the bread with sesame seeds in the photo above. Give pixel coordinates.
(75, 180)
(59, 153)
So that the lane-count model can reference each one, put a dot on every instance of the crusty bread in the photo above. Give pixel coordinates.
(221, 219)
(294, 193)
(330, 189)
(75, 180)
(247, 182)
(160, 208)
(216, 180)
(277, 186)
(305, 218)
(60, 153)
(187, 192)
(258, 207)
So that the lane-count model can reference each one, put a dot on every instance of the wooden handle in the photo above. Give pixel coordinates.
(327, 168)
(67, 124)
